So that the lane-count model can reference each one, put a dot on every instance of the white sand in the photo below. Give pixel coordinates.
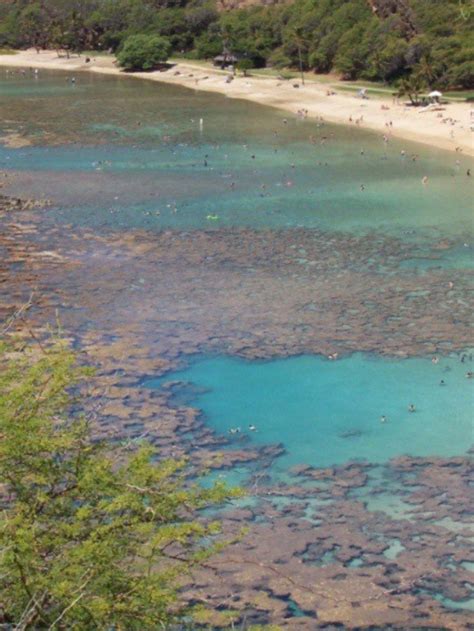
(449, 128)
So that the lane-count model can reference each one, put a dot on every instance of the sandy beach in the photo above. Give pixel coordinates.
(447, 127)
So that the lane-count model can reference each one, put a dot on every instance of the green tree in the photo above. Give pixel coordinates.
(352, 57)
(91, 537)
(110, 22)
(209, 44)
(10, 32)
(412, 87)
(462, 76)
(244, 65)
(34, 25)
(143, 52)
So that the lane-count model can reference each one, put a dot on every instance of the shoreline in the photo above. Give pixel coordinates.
(379, 115)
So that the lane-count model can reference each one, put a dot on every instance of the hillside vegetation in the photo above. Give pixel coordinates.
(383, 40)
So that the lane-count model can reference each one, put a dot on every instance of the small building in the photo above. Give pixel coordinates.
(226, 59)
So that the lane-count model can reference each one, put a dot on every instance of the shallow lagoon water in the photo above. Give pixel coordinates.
(131, 154)
(124, 155)
(328, 412)
(128, 155)
(120, 156)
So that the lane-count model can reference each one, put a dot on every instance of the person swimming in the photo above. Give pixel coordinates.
(411, 408)
(383, 419)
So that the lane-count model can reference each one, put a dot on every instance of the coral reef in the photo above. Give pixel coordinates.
(317, 554)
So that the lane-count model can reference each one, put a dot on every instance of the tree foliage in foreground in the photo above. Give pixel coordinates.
(90, 537)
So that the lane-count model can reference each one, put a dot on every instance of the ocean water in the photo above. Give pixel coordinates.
(329, 412)
(116, 153)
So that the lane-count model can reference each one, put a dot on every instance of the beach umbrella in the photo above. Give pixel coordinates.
(435, 94)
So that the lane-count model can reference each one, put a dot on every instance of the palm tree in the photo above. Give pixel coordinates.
(412, 87)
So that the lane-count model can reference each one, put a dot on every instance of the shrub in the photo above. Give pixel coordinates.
(244, 65)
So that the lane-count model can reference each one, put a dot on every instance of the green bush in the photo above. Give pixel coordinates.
(143, 52)
(244, 65)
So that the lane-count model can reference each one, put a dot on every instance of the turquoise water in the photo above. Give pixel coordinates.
(125, 154)
(328, 412)
(119, 154)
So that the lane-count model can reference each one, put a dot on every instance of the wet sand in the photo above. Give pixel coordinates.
(447, 127)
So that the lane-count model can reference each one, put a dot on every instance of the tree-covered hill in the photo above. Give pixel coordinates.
(384, 40)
